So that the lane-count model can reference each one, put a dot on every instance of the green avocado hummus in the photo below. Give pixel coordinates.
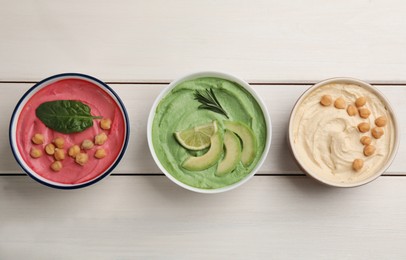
(179, 110)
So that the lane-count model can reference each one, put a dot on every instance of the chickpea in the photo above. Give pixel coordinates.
(359, 102)
(100, 153)
(105, 123)
(56, 166)
(380, 121)
(81, 158)
(369, 150)
(363, 127)
(351, 110)
(59, 154)
(59, 142)
(366, 140)
(377, 132)
(364, 112)
(87, 144)
(35, 153)
(50, 149)
(325, 100)
(357, 164)
(74, 150)
(339, 103)
(38, 139)
(100, 139)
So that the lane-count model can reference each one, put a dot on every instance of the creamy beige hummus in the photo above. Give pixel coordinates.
(326, 139)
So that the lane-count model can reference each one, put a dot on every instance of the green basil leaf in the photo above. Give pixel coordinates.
(65, 116)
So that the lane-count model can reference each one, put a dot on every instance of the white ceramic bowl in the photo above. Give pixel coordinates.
(301, 160)
(102, 91)
(220, 75)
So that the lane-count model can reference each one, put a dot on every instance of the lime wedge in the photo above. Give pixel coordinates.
(198, 137)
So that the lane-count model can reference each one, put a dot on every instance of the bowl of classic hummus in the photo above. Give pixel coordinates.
(343, 132)
(69, 131)
(209, 132)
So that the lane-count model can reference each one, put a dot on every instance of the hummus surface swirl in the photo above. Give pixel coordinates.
(326, 139)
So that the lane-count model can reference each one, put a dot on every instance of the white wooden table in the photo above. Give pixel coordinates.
(138, 47)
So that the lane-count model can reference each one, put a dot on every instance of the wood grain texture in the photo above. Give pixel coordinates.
(138, 100)
(159, 40)
(265, 41)
(150, 217)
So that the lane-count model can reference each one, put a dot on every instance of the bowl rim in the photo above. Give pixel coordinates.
(371, 88)
(221, 75)
(54, 78)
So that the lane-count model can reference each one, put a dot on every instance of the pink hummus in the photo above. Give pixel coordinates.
(101, 104)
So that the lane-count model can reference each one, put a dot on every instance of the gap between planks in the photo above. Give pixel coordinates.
(161, 174)
(255, 83)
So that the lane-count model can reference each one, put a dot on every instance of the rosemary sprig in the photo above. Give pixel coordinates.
(209, 101)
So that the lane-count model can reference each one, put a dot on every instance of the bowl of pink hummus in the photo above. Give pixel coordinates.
(69, 131)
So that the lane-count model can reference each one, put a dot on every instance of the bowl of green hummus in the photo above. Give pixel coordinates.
(209, 132)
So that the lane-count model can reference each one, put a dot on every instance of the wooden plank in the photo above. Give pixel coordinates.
(150, 217)
(158, 40)
(139, 98)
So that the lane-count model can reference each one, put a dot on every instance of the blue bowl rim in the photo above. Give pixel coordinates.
(98, 178)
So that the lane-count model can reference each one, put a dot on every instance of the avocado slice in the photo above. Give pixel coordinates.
(208, 159)
(232, 154)
(249, 142)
